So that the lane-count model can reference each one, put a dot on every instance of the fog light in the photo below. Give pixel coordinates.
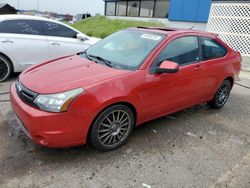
(41, 140)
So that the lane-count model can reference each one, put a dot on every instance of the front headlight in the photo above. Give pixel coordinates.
(57, 102)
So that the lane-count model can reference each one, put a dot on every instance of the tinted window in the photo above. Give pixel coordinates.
(110, 8)
(212, 49)
(147, 8)
(182, 51)
(30, 27)
(121, 8)
(57, 30)
(161, 8)
(133, 8)
(1, 25)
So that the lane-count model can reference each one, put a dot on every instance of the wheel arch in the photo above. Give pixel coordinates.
(11, 63)
(230, 79)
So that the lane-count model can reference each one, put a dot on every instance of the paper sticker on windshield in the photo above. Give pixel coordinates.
(151, 37)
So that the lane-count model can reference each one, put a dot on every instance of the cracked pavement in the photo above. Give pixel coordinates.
(197, 147)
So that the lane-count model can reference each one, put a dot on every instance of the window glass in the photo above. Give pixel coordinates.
(126, 49)
(212, 49)
(133, 8)
(29, 27)
(121, 8)
(1, 26)
(147, 8)
(161, 8)
(54, 29)
(110, 8)
(182, 51)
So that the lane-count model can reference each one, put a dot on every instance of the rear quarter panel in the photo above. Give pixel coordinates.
(221, 68)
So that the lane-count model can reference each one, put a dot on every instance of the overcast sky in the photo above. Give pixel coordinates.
(64, 6)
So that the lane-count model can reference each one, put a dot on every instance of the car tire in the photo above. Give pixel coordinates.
(5, 69)
(221, 95)
(112, 128)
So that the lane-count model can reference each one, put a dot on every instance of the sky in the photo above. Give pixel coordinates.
(60, 6)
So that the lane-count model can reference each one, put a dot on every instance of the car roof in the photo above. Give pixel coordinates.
(27, 17)
(19, 16)
(173, 31)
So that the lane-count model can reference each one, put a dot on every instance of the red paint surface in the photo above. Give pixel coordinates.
(151, 95)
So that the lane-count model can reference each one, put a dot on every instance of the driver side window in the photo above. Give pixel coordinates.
(182, 50)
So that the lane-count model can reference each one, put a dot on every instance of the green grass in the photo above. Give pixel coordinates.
(100, 26)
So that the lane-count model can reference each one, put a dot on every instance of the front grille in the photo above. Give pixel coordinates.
(25, 94)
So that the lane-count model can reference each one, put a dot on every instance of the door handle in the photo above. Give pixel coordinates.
(55, 44)
(197, 68)
(7, 41)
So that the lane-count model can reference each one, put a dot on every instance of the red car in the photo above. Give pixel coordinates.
(133, 76)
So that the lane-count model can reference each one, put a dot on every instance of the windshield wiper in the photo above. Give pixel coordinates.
(105, 61)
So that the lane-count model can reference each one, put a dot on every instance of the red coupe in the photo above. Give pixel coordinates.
(133, 76)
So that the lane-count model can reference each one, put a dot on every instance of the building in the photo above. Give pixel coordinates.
(173, 10)
(173, 13)
(7, 9)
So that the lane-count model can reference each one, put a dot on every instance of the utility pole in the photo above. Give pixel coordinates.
(18, 5)
(37, 4)
(61, 8)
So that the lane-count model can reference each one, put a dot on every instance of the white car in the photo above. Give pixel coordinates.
(27, 40)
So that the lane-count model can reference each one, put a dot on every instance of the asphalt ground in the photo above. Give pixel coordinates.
(197, 147)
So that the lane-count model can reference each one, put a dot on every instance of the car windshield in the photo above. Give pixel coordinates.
(125, 49)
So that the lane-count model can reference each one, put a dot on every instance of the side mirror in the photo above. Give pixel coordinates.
(82, 37)
(167, 67)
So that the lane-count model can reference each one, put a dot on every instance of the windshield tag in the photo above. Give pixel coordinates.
(150, 37)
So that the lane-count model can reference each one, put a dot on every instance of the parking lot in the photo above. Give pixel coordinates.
(197, 147)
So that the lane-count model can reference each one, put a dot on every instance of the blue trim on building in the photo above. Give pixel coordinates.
(189, 10)
(184, 10)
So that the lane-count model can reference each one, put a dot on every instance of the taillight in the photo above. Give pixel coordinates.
(238, 53)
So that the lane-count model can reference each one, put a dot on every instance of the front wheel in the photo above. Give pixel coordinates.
(112, 128)
(5, 69)
(221, 95)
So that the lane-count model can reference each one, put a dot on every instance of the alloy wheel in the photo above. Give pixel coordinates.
(114, 128)
(223, 95)
(4, 69)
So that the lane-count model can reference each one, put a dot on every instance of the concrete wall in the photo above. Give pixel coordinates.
(175, 24)
(245, 63)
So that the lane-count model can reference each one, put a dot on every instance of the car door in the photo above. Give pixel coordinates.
(23, 42)
(62, 40)
(170, 92)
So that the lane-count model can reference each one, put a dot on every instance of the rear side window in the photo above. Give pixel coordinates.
(1, 26)
(28, 27)
(182, 50)
(212, 49)
(57, 30)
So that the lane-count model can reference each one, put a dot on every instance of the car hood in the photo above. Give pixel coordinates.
(93, 40)
(66, 73)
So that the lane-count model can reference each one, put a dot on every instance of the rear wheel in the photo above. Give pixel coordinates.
(221, 95)
(112, 128)
(5, 69)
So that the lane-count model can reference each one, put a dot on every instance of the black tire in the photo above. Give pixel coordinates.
(222, 95)
(112, 128)
(5, 69)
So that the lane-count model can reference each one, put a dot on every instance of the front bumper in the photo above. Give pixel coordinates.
(51, 129)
